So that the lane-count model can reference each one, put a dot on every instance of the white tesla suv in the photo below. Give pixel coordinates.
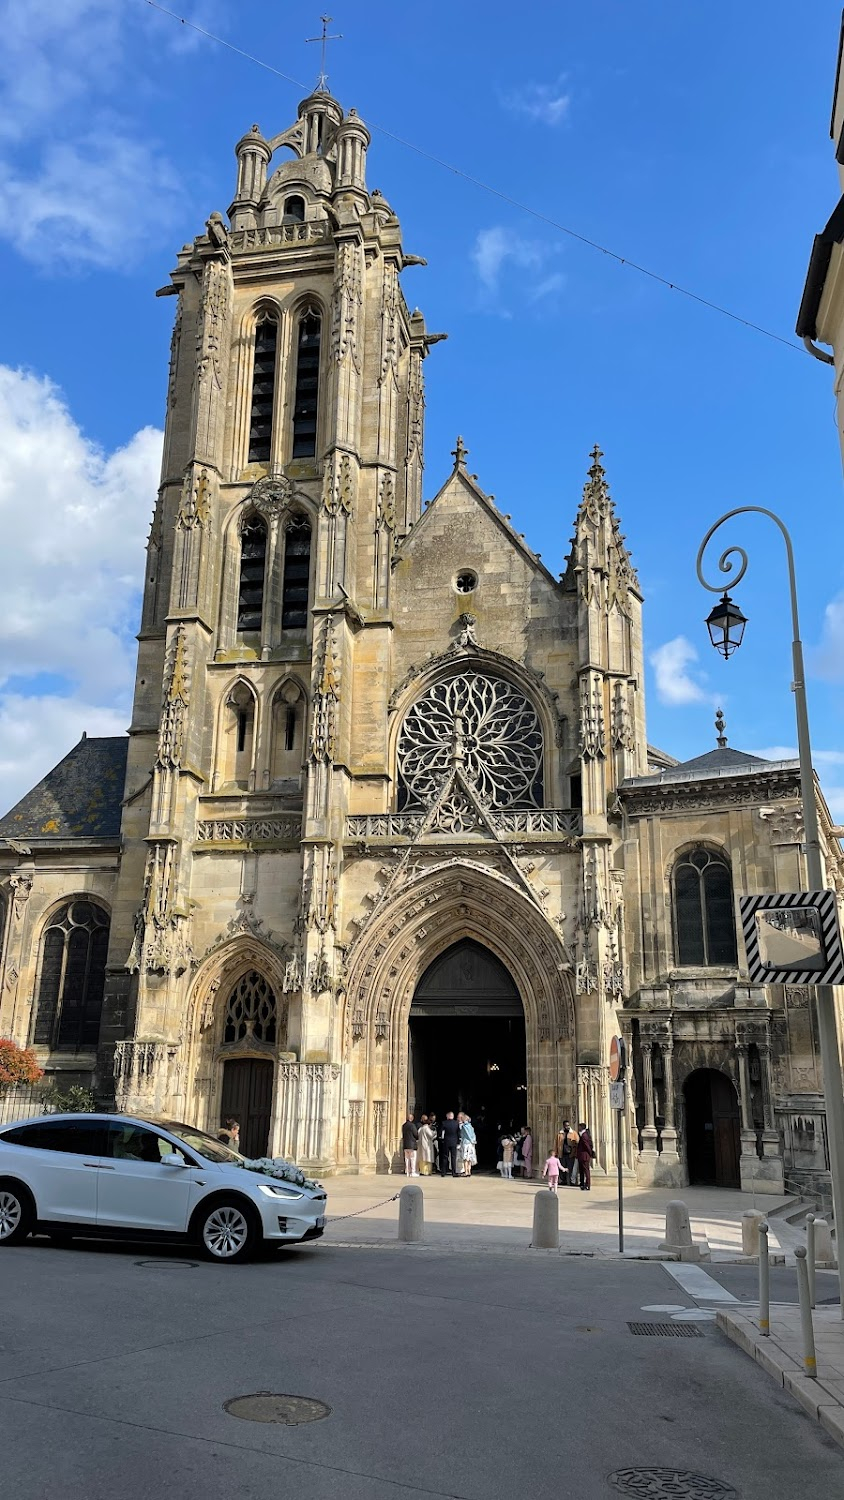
(113, 1177)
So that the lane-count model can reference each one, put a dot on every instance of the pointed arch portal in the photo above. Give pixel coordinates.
(467, 1045)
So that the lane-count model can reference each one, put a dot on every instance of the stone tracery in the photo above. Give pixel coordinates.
(485, 722)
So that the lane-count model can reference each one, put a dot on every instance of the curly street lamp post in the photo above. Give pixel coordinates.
(725, 624)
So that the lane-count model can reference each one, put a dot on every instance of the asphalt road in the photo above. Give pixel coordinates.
(487, 1378)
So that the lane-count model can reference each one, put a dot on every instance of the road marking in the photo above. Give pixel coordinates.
(671, 1307)
(697, 1282)
(695, 1315)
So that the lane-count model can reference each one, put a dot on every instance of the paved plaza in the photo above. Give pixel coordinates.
(484, 1213)
(474, 1378)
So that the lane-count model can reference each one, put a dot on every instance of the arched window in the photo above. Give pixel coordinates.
(307, 385)
(704, 920)
(238, 740)
(263, 390)
(253, 556)
(294, 210)
(72, 978)
(489, 726)
(250, 1011)
(297, 572)
(288, 727)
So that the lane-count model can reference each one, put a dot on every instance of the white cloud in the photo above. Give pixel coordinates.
(827, 659)
(78, 182)
(545, 103)
(89, 202)
(498, 248)
(675, 685)
(73, 522)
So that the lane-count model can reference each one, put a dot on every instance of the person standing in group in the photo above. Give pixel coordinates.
(567, 1153)
(425, 1147)
(410, 1142)
(468, 1145)
(435, 1132)
(449, 1135)
(526, 1147)
(551, 1170)
(585, 1157)
(508, 1151)
(230, 1133)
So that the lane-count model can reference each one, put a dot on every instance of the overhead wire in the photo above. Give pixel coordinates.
(486, 187)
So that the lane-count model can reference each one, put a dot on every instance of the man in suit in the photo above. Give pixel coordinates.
(448, 1138)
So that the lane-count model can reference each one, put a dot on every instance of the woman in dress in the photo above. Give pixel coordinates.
(527, 1152)
(468, 1144)
(425, 1147)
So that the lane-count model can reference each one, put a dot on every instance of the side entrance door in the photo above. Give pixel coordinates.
(247, 1097)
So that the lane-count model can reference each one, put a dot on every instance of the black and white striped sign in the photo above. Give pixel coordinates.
(793, 938)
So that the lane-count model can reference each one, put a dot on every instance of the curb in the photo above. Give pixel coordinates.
(815, 1396)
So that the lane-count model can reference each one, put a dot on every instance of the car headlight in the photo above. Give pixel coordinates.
(278, 1190)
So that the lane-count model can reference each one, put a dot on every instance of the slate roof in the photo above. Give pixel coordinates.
(725, 759)
(80, 798)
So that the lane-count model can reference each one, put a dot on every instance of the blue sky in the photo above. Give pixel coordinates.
(690, 137)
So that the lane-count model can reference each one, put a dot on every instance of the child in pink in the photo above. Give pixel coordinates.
(552, 1169)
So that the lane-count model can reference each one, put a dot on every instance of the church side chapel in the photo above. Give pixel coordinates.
(386, 831)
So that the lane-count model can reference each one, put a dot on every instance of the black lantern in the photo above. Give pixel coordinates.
(725, 624)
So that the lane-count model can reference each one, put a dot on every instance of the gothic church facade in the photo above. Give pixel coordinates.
(386, 799)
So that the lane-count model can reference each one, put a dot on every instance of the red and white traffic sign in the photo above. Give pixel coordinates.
(618, 1059)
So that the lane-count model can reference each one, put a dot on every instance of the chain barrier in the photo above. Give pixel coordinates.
(340, 1217)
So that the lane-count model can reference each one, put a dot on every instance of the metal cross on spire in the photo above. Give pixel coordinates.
(322, 82)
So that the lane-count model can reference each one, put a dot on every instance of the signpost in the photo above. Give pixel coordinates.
(618, 1069)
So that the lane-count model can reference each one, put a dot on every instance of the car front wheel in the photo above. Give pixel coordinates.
(16, 1215)
(227, 1230)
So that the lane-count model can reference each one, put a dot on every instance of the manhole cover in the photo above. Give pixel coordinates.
(263, 1406)
(668, 1484)
(666, 1331)
(169, 1265)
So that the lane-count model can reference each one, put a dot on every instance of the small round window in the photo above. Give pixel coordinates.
(466, 582)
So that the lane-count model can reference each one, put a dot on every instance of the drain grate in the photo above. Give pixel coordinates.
(668, 1484)
(264, 1406)
(666, 1330)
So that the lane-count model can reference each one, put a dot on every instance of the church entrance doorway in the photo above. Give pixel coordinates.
(247, 1095)
(713, 1141)
(467, 1045)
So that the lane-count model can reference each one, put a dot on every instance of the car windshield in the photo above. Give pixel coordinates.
(204, 1144)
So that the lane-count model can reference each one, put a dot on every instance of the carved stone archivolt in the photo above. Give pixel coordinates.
(454, 900)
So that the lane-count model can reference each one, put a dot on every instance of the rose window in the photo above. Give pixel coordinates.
(483, 724)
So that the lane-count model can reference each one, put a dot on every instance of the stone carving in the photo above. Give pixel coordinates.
(592, 736)
(728, 792)
(175, 346)
(785, 823)
(21, 888)
(466, 637)
(195, 507)
(622, 733)
(319, 974)
(213, 312)
(338, 489)
(274, 235)
(271, 496)
(286, 830)
(326, 698)
(387, 503)
(11, 977)
(389, 325)
(346, 304)
(176, 696)
(500, 734)
(585, 977)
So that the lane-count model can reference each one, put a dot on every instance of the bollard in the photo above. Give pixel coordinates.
(824, 1249)
(764, 1282)
(546, 1221)
(750, 1222)
(678, 1234)
(810, 1256)
(411, 1215)
(810, 1364)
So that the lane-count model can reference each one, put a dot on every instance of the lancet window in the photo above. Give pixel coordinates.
(483, 724)
(263, 389)
(704, 919)
(72, 978)
(297, 572)
(306, 399)
(253, 558)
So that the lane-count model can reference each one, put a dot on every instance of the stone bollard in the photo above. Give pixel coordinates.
(678, 1234)
(824, 1250)
(546, 1221)
(750, 1222)
(411, 1215)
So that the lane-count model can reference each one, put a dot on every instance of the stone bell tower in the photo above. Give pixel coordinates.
(292, 466)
